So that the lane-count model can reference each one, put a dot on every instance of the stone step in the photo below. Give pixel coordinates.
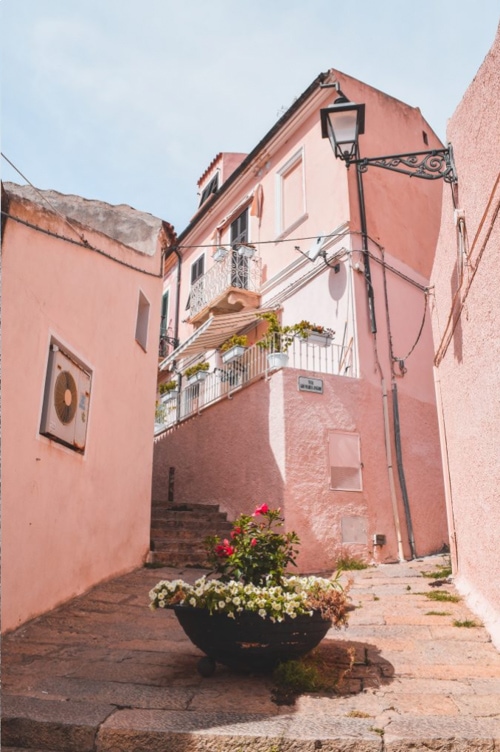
(178, 532)
(173, 559)
(33, 724)
(177, 519)
(192, 534)
(187, 507)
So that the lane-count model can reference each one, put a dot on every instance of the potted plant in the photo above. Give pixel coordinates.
(220, 253)
(314, 333)
(246, 250)
(276, 340)
(168, 390)
(254, 615)
(234, 347)
(198, 372)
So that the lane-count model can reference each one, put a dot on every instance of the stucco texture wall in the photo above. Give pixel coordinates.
(270, 444)
(71, 520)
(465, 323)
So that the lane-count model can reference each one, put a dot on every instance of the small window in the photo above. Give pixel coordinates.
(345, 461)
(142, 325)
(210, 188)
(197, 269)
(291, 196)
(164, 314)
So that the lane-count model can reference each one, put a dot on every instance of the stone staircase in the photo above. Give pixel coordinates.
(178, 532)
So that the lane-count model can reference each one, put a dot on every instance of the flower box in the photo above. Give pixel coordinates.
(233, 353)
(323, 339)
(198, 376)
(169, 396)
(247, 251)
(220, 254)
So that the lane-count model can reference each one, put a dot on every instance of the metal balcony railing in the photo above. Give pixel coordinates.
(232, 271)
(226, 378)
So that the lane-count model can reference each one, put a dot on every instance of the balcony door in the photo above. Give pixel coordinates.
(239, 264)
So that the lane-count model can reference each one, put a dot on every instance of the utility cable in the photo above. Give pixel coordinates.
(82, 244)
(62, 216)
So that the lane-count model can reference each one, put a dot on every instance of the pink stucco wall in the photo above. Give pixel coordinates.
(269, 443)
(468, 375)
(71, 520)
(254, 448)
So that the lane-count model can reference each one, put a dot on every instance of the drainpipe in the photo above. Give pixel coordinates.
(390, 470)
(446, 472)
(172, 236)
(401, 472)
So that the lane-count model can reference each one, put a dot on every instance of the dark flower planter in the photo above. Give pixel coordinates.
(248, 642)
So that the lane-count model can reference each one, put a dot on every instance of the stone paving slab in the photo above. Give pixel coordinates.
(105, 674)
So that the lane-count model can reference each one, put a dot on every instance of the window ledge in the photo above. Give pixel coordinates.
(292, 227)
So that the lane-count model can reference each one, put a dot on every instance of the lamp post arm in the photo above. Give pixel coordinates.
(427, 165)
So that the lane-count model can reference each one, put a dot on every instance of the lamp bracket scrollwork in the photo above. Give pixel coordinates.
(428, 165)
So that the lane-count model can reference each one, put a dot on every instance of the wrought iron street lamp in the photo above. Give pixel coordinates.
(342, 123)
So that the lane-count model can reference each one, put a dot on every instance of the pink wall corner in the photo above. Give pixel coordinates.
(72, 520)
(465, 324)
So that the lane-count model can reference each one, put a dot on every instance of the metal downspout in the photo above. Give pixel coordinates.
(390, 470)
(401, 472)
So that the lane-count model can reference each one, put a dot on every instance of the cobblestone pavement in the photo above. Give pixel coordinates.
(103, 673)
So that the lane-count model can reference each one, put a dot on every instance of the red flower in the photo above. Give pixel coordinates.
(236, 531)
(263, 509)
(224, 549)
(253, 542)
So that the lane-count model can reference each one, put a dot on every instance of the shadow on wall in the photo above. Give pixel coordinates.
(223, 456)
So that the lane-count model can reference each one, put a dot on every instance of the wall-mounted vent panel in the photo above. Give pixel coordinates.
(66, 400)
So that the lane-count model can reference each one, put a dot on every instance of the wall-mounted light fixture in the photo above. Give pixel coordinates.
(342, 123)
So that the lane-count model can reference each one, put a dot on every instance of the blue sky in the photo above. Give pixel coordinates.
(128, 101)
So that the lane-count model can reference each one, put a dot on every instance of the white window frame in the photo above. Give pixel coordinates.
(295, 159)
(352, 436)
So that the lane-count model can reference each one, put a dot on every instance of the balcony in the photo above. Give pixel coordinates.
(313, 359)
(231, 284)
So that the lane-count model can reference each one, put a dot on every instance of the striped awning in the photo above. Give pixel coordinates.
(212, 333)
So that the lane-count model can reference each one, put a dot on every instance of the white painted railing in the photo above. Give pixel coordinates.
(233, 271)
(226, 378)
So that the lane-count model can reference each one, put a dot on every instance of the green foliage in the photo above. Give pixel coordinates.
(437, 613)
(167, 386)
(277, 338)
(346, 563)
(304, 328)
(237, 340)
(256, 553)
(358, 714)
(204, 366)
(440, 595)
(467, 623)
(441, 572)
(297, 677)
(321, 670)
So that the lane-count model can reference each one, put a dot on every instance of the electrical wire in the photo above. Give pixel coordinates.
(44, 198)
(460, 296)
(82, 244)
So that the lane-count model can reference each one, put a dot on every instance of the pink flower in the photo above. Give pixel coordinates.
(263, 509)
(253, 542)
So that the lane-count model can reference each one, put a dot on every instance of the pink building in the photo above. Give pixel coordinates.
(81, 292)
(465, 316)
(344, 437)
